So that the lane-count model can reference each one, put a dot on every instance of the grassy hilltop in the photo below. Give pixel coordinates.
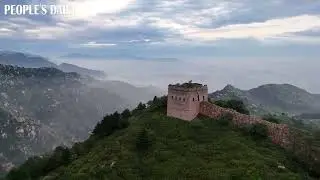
(146, 144)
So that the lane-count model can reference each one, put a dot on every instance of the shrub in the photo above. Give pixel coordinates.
(256, 131)
(141, 106)
(259, 131)
(143, 141)
(225, 119)
(111, 123)
(272, 118)
(158, 103)
(236, 105)
(126, 114)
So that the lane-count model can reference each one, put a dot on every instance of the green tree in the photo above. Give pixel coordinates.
(61, 156)
(236, 105)
(141, 106)
(259, 131)
(225, 119)
(108, 125)
(17, 174)
(155, 99)
(126, 114)
(143, 141)
(272, 118)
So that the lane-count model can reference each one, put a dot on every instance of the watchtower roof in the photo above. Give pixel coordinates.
(188, 85)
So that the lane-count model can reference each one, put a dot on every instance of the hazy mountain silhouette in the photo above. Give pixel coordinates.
(272, 98)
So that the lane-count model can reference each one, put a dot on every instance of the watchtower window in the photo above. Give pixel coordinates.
(203, 97)
(192, 99)
(198, 98)
(184, 99)
(172, 97)
(179, 98)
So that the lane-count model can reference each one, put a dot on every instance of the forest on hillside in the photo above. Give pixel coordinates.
(146, 144)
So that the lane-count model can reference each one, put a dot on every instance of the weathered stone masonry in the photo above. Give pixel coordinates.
(279, 133)
(186, 101)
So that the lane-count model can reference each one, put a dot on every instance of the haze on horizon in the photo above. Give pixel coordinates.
(243, 43)
(216, 73)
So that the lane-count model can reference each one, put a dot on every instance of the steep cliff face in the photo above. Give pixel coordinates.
(17, 139)
(45, 107)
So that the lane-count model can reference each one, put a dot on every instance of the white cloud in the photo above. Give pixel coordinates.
(21, 27)
(6, 32)
(89, 15)
(292, 39)
(87, 9)
(138, 40)
(112, 21)
(206, 16)
(186, 20)
(45, 32)
(97, 45)
(260, 30)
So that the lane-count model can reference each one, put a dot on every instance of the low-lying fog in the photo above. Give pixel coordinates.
(242, 73)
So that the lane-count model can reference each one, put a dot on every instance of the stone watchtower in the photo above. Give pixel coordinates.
(184, 100)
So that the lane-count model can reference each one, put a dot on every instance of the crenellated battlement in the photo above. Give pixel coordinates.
(188, 87)
(179, 88)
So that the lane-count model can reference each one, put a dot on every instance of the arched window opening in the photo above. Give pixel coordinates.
(192, 99)
(198, 98)
(203, 97)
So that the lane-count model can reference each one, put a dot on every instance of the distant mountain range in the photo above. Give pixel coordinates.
(78, 56)
(65, 67)
(114, 57)
(273, 98)
(33, 61)
(24, 60)
(43, 107)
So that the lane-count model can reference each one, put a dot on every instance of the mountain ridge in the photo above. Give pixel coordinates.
(46, 107)
(269, 98)
(116, 57)
(147, 144)
(24, 60)
(66, 67)
(35, 61)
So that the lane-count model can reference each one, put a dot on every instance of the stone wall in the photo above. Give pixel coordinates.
(279, 133)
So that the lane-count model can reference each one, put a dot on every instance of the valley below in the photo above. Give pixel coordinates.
(43, 105)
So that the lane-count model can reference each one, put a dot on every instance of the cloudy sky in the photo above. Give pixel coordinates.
(241, 42)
